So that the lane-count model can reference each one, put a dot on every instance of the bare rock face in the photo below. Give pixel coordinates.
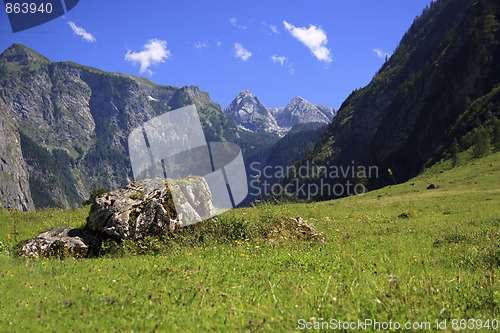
(61, 242)
(146, 208)
(14, 178)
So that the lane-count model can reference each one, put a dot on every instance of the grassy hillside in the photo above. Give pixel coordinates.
(402, 253)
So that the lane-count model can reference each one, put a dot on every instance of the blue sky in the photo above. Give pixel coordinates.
(320, 50)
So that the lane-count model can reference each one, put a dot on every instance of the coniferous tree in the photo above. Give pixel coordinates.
(496, 136)
(454, 150)
(360, 180)
(481, 142)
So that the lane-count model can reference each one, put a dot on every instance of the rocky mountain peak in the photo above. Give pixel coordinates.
(249, 113)
(245, 96)
(246, 92)
(21, 53)
(298, 99)
(299, 102)
(300, 111)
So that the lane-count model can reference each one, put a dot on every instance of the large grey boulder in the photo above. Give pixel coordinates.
(61, 242)
(147, 207)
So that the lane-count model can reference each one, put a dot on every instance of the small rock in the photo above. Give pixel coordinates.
(293, 228)
(431, 187)
(61, 242)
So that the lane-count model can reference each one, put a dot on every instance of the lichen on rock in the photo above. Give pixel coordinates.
(147, 207)
(62, 242)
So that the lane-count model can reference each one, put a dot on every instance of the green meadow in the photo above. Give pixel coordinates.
(401, 254)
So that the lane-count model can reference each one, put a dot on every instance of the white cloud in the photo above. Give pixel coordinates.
(381, 54)
(201, 45)
(155, 52)
(79, 31)
(283, 61)
(218, 43)
(273, 28)
(279, 59)
(234, 22)
(314, 38)
(241, 52)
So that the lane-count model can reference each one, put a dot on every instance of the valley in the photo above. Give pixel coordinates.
(383, 211)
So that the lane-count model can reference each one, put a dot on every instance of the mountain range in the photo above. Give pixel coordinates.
(250, 114)
(64, 128)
